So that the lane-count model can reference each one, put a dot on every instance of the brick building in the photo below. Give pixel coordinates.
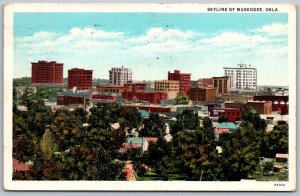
(74, 98)
(233, 114)
(151, 108)
(202, 82)
(80, 78)
(44, 72)
(184, 80)
(222, 85)
(103, 98)
(171, 87)
(237, 97)
(113, 89)
(151, 97)
(262, 107)
(203, 94)
(135, 87)
(279, 103)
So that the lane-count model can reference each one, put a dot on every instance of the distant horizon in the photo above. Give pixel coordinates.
(151, 44)
(263, 85)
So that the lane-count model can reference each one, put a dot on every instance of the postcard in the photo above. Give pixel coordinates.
(150, 97)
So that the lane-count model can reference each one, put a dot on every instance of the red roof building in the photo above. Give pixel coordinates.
(279, 103)
(151, 97)
(80, 78)
(207, 94)
(104, 98)
(151, 108)
(44, 72)
(19, 166)
(135, 87)
(184, 80)
(233, 114)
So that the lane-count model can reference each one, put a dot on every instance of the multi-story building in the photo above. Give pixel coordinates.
(80, 78)
(120, 76)
(166, 85)
(262, 107)
(96, 98)
(222, 85)
(242, 77)
(279, 103)
(171, 87)
(203, 94)
(135, 87)
(44, 72)
(151, 97)
(113, 89)
(74, 98)
(232, 114)
(184, 80)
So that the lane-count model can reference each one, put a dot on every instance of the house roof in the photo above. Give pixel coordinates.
(152, 139)
(144, 113)
(129, 172)
(283, 156)
(136, 140)
(19, 166)
(227, 125)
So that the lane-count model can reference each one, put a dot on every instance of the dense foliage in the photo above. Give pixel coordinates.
(62, 148)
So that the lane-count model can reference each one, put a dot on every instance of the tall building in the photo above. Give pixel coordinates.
(80, 78)
(44, 72)
(203, 94)
(184, 80)
(222, 85)
(166, 85)
(242, 77)
(120, 76)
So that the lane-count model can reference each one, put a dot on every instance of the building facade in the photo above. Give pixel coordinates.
(44, 72)
(96, 98)
(80, 78)
(151, 97)
(113, 89)
(184, 80)
(232, 114)
(135, 87)
(222, 85)
(242, 77)
(166, 85)
(74, 98)
(151, 108)
(279, 103)
(120, 76)
(203, 94)
(262, 107)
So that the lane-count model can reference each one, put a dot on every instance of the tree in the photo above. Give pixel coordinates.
(276, 141)
(182, 98)
(39, 117)
(186, 120)
(153, 126)
(24, 148)
(222, 119)
(241, 154)
(66, 129)
(267, 167)
(249, 115)
(48, 144)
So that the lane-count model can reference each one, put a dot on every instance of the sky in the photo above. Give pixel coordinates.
(151, 44)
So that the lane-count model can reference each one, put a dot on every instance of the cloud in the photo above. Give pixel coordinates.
(157, 49)
(158, 34)
(275, 29)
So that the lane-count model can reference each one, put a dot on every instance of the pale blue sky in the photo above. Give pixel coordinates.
(151, 44)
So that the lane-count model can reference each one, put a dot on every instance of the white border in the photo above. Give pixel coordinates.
(10, 9)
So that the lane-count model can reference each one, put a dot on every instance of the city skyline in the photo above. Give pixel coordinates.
(151, 44)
